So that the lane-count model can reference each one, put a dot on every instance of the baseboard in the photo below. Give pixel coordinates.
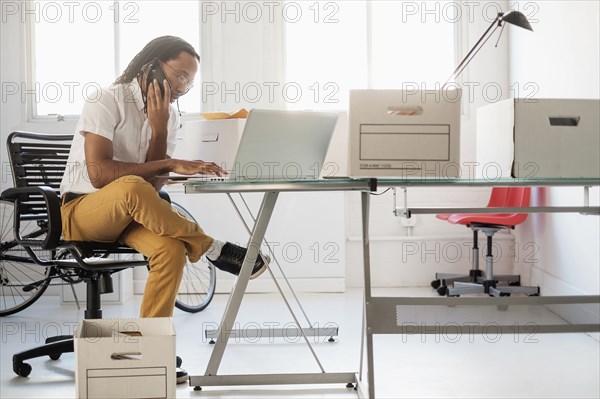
(552, 286)
(265, 285)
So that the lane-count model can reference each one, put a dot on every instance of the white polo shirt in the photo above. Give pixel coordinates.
(116, 113)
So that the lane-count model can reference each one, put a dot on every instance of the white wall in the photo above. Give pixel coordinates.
(224, 44)
(562, 59)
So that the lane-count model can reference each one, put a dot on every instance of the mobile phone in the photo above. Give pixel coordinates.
(155, 71)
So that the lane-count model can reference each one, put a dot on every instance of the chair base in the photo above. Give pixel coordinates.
(442, 280)
(490, 287)
(478, 282)
(476, 277)
(54, 348)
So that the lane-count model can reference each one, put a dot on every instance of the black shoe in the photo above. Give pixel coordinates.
(232, 256)
(181, 377)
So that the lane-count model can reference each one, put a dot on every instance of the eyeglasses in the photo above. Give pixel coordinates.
(182, 79)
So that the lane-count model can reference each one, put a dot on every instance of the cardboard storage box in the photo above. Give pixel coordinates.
(539, 138)
(125, 358)
(404, 134)
(211, 141)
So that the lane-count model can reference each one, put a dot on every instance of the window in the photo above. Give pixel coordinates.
(80, 46)
(72, 53)
(326, 54)
(338, 46)
(412, 44)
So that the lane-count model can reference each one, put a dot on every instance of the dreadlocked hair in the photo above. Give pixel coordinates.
(164, 48)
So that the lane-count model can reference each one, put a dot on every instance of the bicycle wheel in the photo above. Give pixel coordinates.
(199, 280)
(22, 281)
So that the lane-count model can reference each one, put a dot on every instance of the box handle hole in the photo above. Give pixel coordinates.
(404, 111)
(564, 121)
(127, 356)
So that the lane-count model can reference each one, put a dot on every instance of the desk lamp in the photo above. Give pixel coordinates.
(511, 17)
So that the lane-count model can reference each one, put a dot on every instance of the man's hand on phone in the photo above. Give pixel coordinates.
(158, 107)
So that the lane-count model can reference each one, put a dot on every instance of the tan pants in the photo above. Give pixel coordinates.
(129, 210)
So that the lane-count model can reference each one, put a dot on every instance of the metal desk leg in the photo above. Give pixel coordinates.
(275, 332)
(235, 299)
(366, 333)
(210, 378)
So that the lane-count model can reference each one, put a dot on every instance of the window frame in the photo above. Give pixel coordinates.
(31, 112)
(31, 63)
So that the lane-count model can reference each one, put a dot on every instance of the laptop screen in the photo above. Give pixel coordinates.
(283, 145)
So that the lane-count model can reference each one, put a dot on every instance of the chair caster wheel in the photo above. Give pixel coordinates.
(22, 369)
(197, 388)
(349, 385)
(505, 294)
(443, 290)
(55, 356)
(178, 361)
(435, 284)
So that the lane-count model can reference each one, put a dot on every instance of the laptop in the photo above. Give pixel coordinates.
(278, 145)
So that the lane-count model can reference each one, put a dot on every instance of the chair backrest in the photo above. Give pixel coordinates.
(511, 197)
(37, 159)
(40, 159)
(498, 197)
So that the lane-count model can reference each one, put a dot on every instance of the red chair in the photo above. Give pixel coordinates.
(489, 223)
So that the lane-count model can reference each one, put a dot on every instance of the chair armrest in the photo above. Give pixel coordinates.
(19, 196)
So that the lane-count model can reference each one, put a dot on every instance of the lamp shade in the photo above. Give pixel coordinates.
(516, 18)
(512, 17)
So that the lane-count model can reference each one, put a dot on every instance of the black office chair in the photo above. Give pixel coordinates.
(38, 162)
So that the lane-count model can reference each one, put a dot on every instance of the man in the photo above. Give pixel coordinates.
(125, 139)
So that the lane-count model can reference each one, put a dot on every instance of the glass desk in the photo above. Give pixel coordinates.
(390, 315)
(475, 315)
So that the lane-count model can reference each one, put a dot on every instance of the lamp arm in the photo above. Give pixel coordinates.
(465, 61)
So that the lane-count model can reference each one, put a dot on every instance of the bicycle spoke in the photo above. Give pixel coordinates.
(17, 268)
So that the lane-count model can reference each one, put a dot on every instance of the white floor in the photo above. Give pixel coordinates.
(428, 366)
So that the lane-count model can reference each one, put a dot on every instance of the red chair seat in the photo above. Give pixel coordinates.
(509, 197)
(502, 219)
